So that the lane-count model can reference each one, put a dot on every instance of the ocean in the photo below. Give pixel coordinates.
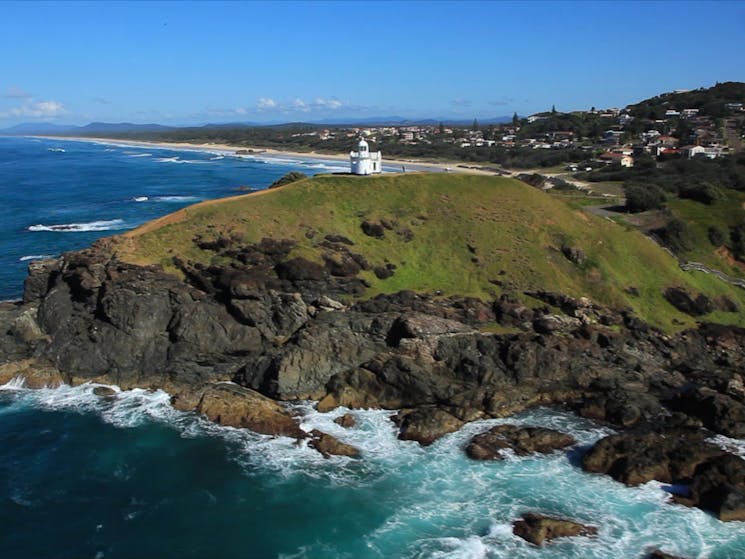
(130, 477)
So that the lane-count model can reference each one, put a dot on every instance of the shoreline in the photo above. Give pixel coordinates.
(413, 165)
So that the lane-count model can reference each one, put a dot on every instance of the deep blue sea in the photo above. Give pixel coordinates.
(129, 477)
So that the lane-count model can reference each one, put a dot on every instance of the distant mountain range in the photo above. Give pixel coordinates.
(98, 128)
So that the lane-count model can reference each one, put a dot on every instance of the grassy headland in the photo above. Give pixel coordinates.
(468, 235)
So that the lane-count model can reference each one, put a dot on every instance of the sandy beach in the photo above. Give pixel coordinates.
(408, 164)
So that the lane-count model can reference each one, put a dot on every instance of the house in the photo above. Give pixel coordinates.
(689, 113)
(612, 158)
(709, 152)
(670, 113)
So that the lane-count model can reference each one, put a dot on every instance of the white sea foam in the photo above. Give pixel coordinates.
(34, 257)
(56, 150)
(438, 502)
(140, 199)
(735, 446)
(177, 198)
(138, 154)
(179, 160)
(104, 225)
(217, 158)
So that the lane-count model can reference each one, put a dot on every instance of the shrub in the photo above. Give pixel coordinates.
(292, 176)
(676, 235)
(643, 197)
(717, 237)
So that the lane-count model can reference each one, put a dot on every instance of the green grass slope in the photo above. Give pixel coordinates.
(472, 235)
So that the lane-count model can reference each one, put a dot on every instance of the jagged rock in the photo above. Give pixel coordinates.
(697, 305)
(347, 420)
(235, 406)
(553, 323)
(26, 328)
(636, 458)
(719, 486)
(104, 391)
(537, 528)
(718, 412)
(426, 425)
(341, 265)
(300, 269)
(383, 272)
(658, 554)
(373, 229)
(619, 406)
(574, 254)
(339, 239)
(521, 440)
(329, 445)
(35, 373)
(41, 276)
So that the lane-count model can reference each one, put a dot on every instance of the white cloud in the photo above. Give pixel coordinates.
(332, 103)
(300, 105)
(265, 103)
(15, 92)
(42, 109)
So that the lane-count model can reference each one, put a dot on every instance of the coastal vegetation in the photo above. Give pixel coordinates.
(477, 236)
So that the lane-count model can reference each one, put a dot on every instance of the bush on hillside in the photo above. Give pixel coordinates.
(717, 237)
(676, 235)
(704, 192)
(292, 176)
(643, 197)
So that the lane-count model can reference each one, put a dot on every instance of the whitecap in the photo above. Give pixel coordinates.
(35, 257)
(104, 225)
(177, 198)
(139, 154)
(735, 446)
(140, 199)
(56, 150)
(178, 160)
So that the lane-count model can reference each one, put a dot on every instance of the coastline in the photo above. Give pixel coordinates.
(410, 164)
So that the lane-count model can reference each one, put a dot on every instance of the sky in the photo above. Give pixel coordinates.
(200, 62)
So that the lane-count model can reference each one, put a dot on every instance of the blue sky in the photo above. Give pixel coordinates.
(197, 62)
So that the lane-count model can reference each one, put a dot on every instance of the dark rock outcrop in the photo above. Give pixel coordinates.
(273, 324)
(235, 406)
(328, 445)
(521, 440)
(537, 528)
(694, 305)
(715, 479)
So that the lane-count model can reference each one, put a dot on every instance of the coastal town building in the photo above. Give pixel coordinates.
(363, 162)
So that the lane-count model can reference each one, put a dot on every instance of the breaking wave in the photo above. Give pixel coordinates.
(34, 257)
(107, 225)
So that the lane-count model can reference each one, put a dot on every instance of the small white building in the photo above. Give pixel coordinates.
(362, 162)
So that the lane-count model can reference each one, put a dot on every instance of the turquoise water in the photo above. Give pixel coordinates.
(129, 477)
(125, 477)
(60, 195)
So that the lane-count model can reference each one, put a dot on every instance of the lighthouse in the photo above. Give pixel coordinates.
(362, 162)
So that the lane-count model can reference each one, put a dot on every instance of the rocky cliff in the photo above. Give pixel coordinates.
(262, 325)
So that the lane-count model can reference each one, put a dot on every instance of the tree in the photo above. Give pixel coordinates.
(553, 109)
(442, 128)
(515, 120)
(475, 125)
(643, 197)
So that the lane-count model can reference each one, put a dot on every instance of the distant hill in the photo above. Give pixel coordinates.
(94, 128)
(38, 128)
(710, 101)
(457, 234)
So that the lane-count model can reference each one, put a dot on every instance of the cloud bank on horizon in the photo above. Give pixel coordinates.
(198, 62)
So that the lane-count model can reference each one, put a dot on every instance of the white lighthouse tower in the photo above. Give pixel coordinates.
(362, 162)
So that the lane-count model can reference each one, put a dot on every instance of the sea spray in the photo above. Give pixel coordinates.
(398, 500)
